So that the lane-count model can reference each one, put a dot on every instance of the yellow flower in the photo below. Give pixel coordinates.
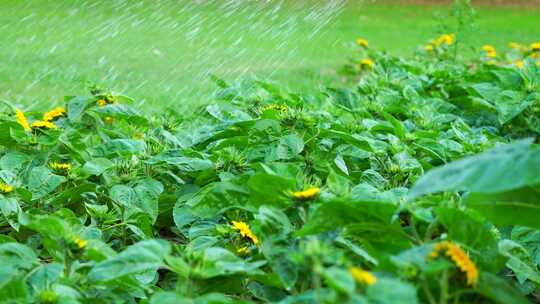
(108, 120)
(488, 48)
(491, 54)
(519, 64)
(21, 119)
(278, 107)
(5, 188)
(363, 277)
(515, 45)
(53, 114)
(242, 250)
(39, 124)
(362, 42)
(102, 102)
(535, 55)
(428, 47)
(535, 47)
(244, 230)
(367, 63)
(307, 194)
(446, 38)
(60, 166)
(459, 257)
(80, 243)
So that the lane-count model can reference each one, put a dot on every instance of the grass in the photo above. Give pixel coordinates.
(162, 53)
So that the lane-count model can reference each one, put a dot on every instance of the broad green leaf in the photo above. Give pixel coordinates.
(339, 279)
(218, 262)
(515, 207)
(503, 168)
(14, 292)
(268, 189)
(76, 106)
(96, 166)
(217, 197)
(143, 256)
(520, 261)
(391, 291)
(337, 214)
(499, 290)
(41, 181)
(289, 147)
(122, 147)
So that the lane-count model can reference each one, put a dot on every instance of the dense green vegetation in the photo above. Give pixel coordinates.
(416, 183)
(160, 52)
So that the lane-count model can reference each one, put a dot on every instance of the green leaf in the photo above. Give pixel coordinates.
(337, 214)
(9, 206)
(499, 290)
(142, 198)
(141, 257)
(42, 182)
(96, 166)
(168, 297)
(122, 147)
(14, 292)
(76, 106)
(218, 262)
(339, 279)
(289, 147)
(391, 291)
(520, 261)
(216, 198)
(503, 168)
(268, 189)
(516, 207)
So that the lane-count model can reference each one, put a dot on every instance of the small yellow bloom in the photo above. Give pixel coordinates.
(138, 135)
(307, 194)
(108, 120)
(242, 250)
(80, 243)
(362, 276)
(515, 45)
(535, 47)
(278, 107)
(445, 38)
(491, 54)
(459, 257)
(244, 230)
(53, 114)
(519, 64)
(428, 47)
(40, 124)
(102, 102)
(362, 42)
(60, 166)
(535, 55)
(21, 119)
(488, 48)
(5, 188)
(367, 63)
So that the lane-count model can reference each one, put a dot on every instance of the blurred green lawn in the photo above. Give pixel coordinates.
(162, 52)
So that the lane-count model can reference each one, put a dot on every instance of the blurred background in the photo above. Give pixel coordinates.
(162, 52)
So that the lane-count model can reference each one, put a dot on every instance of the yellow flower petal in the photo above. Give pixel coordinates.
(362, 276)
(245, 231)
(307, 194)
(362, 42)
(21, 119)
